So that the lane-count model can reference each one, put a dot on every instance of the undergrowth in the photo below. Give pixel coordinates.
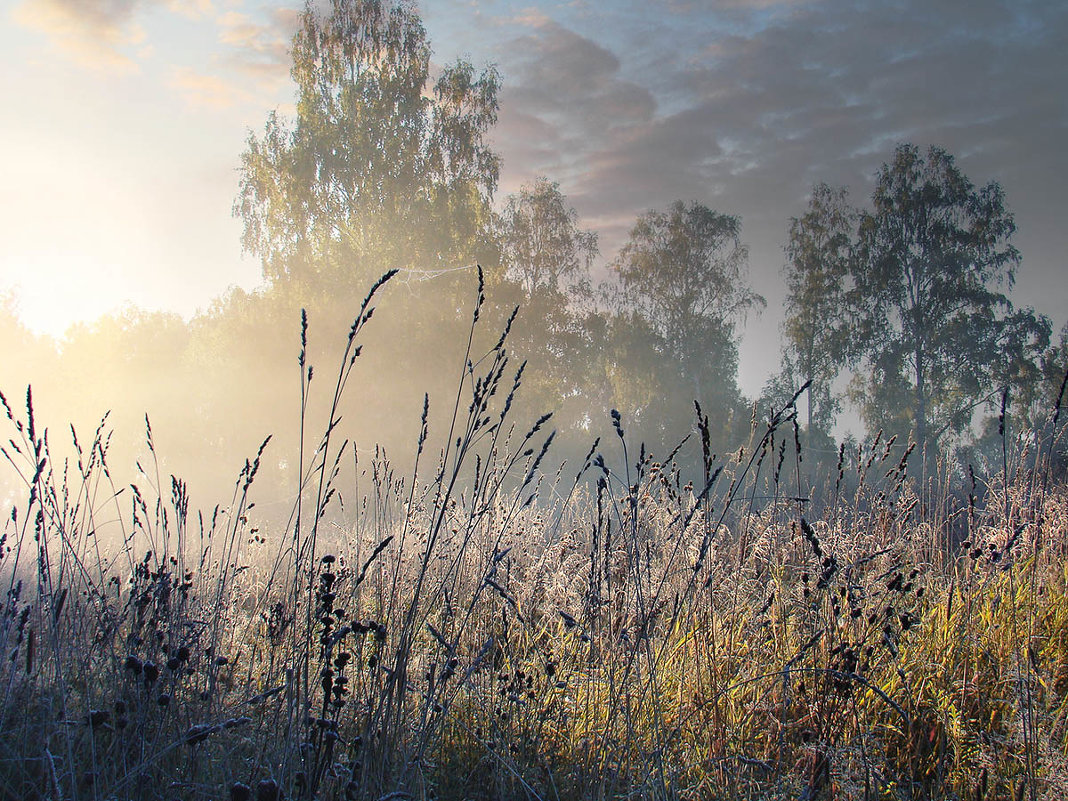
(484, 628)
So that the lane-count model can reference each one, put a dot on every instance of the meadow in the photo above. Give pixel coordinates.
(488, 626)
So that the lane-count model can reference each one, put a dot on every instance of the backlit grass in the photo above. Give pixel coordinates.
(486, 627)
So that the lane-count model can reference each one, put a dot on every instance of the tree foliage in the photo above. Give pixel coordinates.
(379, 169)
(931, 323)
(683, 273)
(819, 253)
(546, 259)
(385, 165)
(542, 246)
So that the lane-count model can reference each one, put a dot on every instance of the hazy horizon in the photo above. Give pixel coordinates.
(126, 121)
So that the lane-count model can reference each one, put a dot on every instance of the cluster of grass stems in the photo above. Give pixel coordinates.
(485, 628)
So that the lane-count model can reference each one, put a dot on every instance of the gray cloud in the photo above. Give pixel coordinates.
(745, 107)
(258, 47)
(568, 94)
(95, 33)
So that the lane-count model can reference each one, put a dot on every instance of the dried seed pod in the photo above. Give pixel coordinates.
(198, 733)
(268, 790)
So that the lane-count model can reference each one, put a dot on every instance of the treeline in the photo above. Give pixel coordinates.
(386, 166)
(909, 299)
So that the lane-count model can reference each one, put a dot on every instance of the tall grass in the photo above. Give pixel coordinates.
(486, 628)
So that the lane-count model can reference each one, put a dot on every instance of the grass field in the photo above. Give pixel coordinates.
(486, 628)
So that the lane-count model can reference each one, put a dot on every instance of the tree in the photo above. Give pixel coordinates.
(683, 272)
(1054, 369)
(542, 246)
(383, 166)
(819, 252)
(1052, 417)
(930, 320)
(376, 171)
(546, 259)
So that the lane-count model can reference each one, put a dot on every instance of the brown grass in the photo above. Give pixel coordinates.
(484, 629)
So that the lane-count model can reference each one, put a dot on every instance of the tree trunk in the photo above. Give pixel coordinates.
(920, 408)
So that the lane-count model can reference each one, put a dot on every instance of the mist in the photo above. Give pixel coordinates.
(475, 401)
(643, 315)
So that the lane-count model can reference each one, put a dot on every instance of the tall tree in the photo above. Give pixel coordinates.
(818, 255)
(1054, 367)
(542, 246)
(683, 272)
(1052, 417)
(932, 323)
(546, 259)
(384, 165)
(378, 170)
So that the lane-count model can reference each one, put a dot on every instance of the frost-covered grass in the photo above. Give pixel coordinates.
(485, 628)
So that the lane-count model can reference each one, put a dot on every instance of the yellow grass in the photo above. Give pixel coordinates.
(497, 632)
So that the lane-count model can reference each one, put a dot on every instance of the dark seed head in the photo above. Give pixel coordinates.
(268, 790)
(198, 733)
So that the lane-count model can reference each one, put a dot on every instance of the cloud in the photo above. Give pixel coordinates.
(250, 65)
(759, 5)
(820, 93)
(107, 35)
(259, 48)
(744, 105)
(562, 92)
(575, 78)
(94, 33)
(193, 9)
(207, 91)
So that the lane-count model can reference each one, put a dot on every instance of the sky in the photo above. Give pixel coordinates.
(123, 122)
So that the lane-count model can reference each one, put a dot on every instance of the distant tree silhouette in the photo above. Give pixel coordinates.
(932, 328)
(681, 277)
(818, 252)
